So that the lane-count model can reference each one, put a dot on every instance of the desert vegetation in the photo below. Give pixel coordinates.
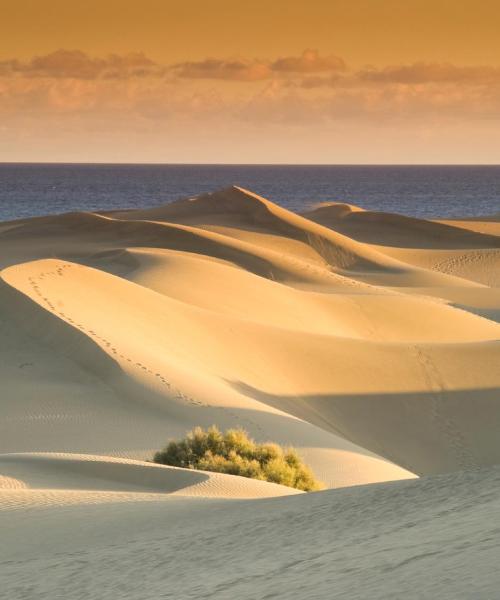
(235, 453)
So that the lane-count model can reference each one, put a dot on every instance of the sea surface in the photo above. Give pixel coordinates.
(28, 190)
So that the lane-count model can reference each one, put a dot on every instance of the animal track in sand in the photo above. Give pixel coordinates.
(438, 414)
(176, 393)
(452, 265)
(91, 333)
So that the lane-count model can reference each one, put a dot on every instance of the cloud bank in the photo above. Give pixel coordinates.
(75, 64)
(71, 92)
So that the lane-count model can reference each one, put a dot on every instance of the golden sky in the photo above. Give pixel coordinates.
(359, 81)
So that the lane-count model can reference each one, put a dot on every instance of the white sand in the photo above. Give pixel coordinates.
(431, 538)
(368, 341)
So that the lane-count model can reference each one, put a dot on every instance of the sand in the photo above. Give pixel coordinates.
(436, 537)
(368, 341)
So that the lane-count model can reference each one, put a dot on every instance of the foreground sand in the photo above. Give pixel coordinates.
(435, 537)
(368, 341)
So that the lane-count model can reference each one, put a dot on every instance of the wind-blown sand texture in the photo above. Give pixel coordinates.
(368, 341)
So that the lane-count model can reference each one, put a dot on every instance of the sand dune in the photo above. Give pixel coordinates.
(368, 341)
(195, 291)
(168, 382)
(489, 224)
(386, 229)
(469, 250)
(190, 353)
(429, 538)
(69, 472)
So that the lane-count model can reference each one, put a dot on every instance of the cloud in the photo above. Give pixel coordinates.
(232, 70)
(78, 65)
(315, 81)
(256, 70)
(294, 91)
(308, 71)
(421, 72)
(75, 64)
(309, 62)
(278, 104)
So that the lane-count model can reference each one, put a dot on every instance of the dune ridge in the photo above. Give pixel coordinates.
(71, 472)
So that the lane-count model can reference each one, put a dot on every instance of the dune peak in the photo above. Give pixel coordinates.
(332, 209)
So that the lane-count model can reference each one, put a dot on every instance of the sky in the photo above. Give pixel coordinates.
(217, 81)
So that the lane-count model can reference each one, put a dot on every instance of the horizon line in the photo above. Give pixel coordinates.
(250, 164)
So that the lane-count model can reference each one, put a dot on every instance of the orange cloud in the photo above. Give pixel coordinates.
(70, 82)
(255, 70)
(309, 62)
(78, 65)
(233, 70)
(421, 72)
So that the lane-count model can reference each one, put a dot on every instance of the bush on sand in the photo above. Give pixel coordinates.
(235, 453)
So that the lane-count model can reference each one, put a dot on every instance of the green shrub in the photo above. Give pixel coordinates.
(235, 453)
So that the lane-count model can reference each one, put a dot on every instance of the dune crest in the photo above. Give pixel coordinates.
(73, 472)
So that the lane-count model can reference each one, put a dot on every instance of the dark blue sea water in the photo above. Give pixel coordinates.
(423, 191)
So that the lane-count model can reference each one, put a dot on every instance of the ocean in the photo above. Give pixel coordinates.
(28, 190)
